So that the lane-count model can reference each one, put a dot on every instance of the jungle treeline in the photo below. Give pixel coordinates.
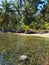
(24, 14)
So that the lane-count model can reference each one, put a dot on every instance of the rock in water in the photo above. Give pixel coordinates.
(23, 58)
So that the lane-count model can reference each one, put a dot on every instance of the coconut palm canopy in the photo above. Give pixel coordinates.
(15, 14)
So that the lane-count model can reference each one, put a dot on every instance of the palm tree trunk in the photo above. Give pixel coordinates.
(18, 10)
(19, 7)
(20, 3)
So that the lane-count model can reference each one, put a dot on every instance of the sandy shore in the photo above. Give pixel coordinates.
(41, 35)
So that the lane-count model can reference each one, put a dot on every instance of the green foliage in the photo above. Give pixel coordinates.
(15, 15)
(41, 24)
(47, 25)
(38, 24)
(8, 15)
(27, 14)
(25, 27)
(22, 26)
(33, 25)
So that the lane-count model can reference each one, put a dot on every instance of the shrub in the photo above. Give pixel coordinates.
(46, 25)
(22, 26)
(33, 25)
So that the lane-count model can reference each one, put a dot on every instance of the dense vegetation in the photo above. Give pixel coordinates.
(12, 46)
(15, 15)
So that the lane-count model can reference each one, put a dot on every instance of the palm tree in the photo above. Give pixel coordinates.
(7, 12)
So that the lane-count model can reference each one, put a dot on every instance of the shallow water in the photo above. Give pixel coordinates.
(12, 46)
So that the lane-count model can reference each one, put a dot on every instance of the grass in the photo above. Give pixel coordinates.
(12, 46)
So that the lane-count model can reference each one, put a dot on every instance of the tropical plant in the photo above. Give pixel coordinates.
(8, 13)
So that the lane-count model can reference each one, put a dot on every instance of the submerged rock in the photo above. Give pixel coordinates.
(23, 58)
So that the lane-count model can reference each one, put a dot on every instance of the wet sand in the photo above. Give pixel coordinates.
(41, 35)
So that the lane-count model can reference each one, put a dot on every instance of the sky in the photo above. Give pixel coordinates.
(40, 5)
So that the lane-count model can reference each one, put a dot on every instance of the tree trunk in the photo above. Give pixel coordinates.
(20, 3)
